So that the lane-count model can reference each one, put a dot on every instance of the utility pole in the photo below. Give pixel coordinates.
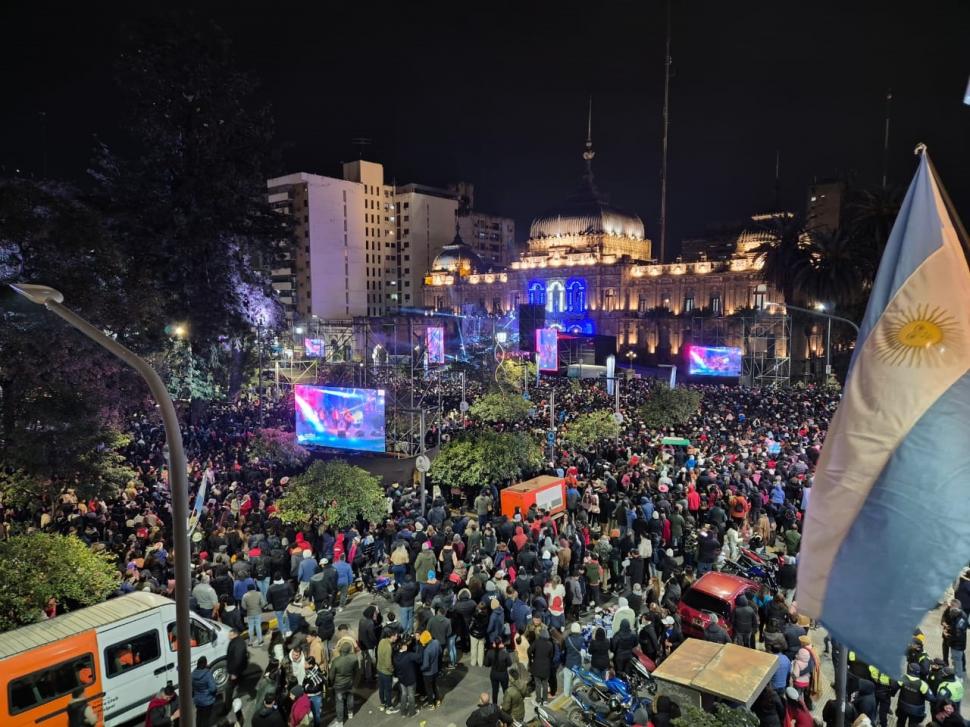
(423, 492)
(552, 428)
(663, 164)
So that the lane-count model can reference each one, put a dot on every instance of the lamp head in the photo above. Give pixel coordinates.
(38, 294)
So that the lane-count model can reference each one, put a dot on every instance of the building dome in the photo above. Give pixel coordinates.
(586, 215)
(458, 258)
(586, 212)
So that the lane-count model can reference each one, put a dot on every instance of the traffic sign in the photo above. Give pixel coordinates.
(463, 407)
(525, 395)
(618, 417)
(551, 436)
(422, 464)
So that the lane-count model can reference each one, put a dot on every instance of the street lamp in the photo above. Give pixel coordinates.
(630, 356)
(53, 300)
(819, 311)
(179, 330)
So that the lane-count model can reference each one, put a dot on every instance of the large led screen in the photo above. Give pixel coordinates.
(313, 347)
(547, 349)
(340, 418)
(713, 361)
(434, 342)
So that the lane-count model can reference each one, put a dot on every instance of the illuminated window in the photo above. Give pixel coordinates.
(537, 293)
(576, 295)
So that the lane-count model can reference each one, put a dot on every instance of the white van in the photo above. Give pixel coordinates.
(120, 652)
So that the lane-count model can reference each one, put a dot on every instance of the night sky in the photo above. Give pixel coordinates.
(495, 93)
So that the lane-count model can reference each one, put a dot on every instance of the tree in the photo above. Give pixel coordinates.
(586, 430)
(665, 407)
(511, 374)
(500, 407)
(40, 565)
(832, 272)
(783, 253)
(335, 491)
(190, 207)
(278, 448)
(486, 457)
(723, 716)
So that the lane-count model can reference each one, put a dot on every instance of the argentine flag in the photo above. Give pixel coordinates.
(888, 524)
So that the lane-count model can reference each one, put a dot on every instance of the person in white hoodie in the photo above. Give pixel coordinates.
(623, 613)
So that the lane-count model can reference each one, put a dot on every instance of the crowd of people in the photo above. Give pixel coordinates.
(477, 590)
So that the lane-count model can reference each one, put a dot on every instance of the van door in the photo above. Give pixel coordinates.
(205, 642)
(135, 665)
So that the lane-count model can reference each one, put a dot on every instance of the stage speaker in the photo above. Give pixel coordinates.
(604, 346)
(531, 317)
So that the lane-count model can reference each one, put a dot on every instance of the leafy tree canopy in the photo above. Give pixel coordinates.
(486, 457)
(586, 430)
(512, 373)
(40, 565)
(500, 407)
(665, 407)
(334, 491)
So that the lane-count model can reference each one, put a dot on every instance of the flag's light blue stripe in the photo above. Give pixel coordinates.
(915, 236)
(911, 537)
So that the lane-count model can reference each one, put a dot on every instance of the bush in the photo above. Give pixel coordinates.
(587, 430)
(278, 448)
(665, 407)
(500, 407)
(723, 716)
(486, 457)
(40, 565)
(335, 491)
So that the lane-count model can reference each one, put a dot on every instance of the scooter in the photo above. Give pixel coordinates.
(639, 676)
(548, 718)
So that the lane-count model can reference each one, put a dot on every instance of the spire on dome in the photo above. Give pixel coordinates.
(589, 153)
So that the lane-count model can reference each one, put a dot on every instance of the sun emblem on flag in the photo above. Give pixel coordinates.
(919, 336)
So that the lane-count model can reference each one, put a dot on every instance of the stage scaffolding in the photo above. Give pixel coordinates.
(767, 350)
(382, 353)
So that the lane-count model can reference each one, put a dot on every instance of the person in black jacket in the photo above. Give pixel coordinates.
(404, 597)
(624, 642)
(540, 663)
(745, 623)
(487, 714)
(406, 666)
(769, 709)
(865, 701)
(368, 635)
(599, 653)
(269, 715)
(237, 664)
(664, 712)
(499, 660)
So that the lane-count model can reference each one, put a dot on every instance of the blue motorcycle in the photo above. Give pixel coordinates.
(616, 695)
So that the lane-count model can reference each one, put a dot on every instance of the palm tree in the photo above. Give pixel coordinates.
(869, 218)
(783, 252)
(831, 270)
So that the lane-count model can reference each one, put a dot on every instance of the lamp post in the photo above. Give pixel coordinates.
(53, 300)
(630, 358)
(819, 311)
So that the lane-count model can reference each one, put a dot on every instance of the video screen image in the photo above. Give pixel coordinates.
(547, 348)
(313, 347)
(340, 418)
(714, 361)
(434, 342)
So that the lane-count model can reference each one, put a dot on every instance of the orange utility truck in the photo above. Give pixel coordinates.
(545, 492)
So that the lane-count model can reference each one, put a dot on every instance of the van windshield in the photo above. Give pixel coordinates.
(700, 601)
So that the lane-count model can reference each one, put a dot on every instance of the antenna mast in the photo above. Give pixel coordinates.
(663, 167)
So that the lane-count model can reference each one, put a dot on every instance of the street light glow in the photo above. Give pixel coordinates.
(820, 306)
(179, 330)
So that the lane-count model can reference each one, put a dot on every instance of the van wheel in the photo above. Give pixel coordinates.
(220, 674)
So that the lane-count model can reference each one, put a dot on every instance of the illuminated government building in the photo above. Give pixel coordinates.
(592, 267)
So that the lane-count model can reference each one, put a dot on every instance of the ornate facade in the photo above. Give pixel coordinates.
(591, 266)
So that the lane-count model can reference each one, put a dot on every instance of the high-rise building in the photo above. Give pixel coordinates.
(323, 272)
(824, 204)
(361, 247)
(490, 236)
(424, 223)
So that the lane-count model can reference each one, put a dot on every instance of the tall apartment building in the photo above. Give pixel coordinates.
(490, 236)
(323, 273)
(424, 223)
(361, 246)
(824, 204)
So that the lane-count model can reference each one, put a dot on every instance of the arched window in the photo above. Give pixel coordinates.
(576, 295)
(537, 293)
(556, 297)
